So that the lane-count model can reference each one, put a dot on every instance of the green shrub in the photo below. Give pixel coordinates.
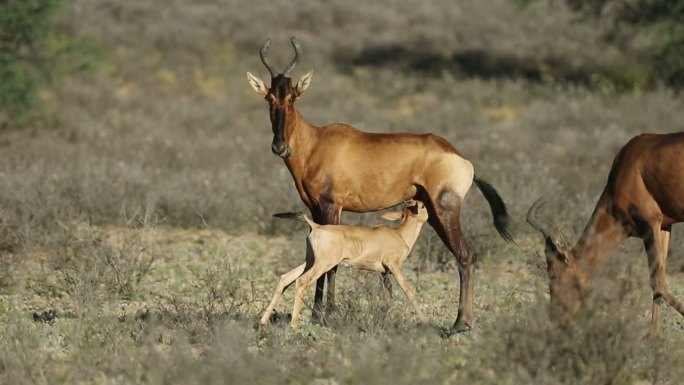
(670, 59)
(23, 25)
(33, 54)
(664, 19)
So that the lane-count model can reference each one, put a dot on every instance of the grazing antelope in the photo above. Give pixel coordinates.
(643, 198)
(339, 168)
(380, 248)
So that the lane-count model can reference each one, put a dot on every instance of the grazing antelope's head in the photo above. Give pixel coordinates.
(567, 282)
(280, 96)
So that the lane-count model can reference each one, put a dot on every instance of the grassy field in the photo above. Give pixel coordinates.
(136, 237)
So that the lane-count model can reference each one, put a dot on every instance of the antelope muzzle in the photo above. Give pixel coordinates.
(281, 149)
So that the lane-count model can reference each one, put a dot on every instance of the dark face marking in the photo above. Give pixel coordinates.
(280, 98)
(281, 86)
(413, 209)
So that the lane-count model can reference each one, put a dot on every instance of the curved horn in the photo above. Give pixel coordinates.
(298, 50)
(532, 215)
(549, 232)
(264, 58)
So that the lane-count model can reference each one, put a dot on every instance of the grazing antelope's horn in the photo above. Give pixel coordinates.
(264, 59)
(298, 50)
(549, 232)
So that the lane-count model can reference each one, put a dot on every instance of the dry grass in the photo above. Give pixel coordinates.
(190, 316)
(136, 236)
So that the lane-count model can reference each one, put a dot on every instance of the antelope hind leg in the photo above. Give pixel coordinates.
(285, 281)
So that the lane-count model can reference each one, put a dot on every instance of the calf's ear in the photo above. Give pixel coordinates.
(391, 215)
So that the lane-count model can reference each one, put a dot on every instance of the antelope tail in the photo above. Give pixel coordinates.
(300, 216)
(498, 207)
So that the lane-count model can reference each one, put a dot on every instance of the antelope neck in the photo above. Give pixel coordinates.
(302, 137)
(601, 235)
(409, 230)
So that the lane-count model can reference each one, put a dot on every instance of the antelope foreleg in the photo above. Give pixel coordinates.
(657, 243)
(664, 249)
(330, 299)
(326, 213)
(408, 291)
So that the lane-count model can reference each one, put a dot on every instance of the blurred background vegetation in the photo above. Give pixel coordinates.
(34, 55)
(118, 118)
(142, 107)
(647, 35)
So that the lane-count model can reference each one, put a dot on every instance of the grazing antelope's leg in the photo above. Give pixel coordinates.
(445, 210)
(657, 249)
(285, 281)
(410, 294)
(656, 243)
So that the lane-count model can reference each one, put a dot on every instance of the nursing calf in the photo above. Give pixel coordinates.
(380, 248)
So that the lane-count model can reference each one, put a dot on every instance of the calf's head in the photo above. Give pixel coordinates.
(412, 209)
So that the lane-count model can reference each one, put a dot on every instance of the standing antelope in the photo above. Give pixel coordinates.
(339, 168)
(380, 248)
(643, 198)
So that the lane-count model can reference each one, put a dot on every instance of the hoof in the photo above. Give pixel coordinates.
(319, 318)
(651, 335)
(431, 327)
(275, 319)
(46, 317)
(316, 319)
(459, 328)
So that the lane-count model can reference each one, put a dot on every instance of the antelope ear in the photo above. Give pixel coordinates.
(564, 257)
(257, 84)
(391, 215)
(304, 82)
(561, 255)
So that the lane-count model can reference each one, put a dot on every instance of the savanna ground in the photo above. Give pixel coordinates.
(136, 238)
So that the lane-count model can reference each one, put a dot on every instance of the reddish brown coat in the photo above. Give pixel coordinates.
(339, 168)
(643, 198)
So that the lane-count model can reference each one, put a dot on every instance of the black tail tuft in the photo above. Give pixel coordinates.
(291, 215)
(498, 207)
(300, 216)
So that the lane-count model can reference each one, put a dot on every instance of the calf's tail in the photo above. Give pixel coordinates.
(300, 216)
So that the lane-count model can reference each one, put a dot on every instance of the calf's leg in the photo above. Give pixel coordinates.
(285, 281)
